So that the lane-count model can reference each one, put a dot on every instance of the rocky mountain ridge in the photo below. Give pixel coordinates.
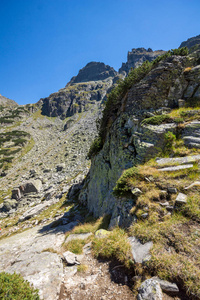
(137, 56)
(46, 185)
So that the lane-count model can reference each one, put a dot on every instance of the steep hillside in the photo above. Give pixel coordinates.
(158, 115)
(125, 222)
(5, 102)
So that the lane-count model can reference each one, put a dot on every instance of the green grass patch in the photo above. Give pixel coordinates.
(75, 246)
(157, 120)
(92, 224)
(14, 287)
(113, 246)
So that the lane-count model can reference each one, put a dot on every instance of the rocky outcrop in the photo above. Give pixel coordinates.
(93, 71)
(191, 42)
(76, 98)
(7, 102)
(91, 85)
(137, 56)
(129, 141)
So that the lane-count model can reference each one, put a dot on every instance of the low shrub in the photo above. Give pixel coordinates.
(95, 147)
(14, 287)
(157, 120)
(75, 246)
(122, 188)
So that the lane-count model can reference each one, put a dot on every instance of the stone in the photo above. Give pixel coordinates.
(80, 236)
(181, 199)
(167, 287)
(150, 290)
(70, 258)
(145, 215)
(60, 167)
(172, 190)
(16, 194)
(194, 184)
(44, 271)
(34, 211)
(34, 186)
(164, 204)
(136, 192)
(140, 251)
(101, 233)
(181, 103)
(169, 208)
(176, 168)
(178, 160)
(114, 222)
(9, 204)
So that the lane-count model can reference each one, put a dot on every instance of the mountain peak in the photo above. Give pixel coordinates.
(93, 71)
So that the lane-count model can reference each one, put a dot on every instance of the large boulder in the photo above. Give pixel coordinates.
(34, 186)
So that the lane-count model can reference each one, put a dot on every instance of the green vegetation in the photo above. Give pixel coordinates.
(176, 236)
(14, 287)
(169, 141)
(82, 268)
(75, 246)
(13, 139)
(92, 224)
(157, 120)
(113, 246)
(95, 147)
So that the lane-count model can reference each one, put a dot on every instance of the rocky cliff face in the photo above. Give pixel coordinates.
(137, 56)
(90, 85)
(191, 42)
(129, 141)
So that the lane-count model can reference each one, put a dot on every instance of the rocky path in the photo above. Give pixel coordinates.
(37, 255)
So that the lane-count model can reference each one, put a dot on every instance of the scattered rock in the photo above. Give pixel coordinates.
(150, 290)
(196, 183)
(172, 190)
(9, 204)
(140, 251)
(33, 186)
(176, 168)
(70, 258)
(34, 211)
(60, 167)
(80, 236)
(167, 287)
(181, 199)
(136, 192)
(16, 194)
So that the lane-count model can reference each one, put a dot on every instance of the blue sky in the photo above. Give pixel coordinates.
(43, 43)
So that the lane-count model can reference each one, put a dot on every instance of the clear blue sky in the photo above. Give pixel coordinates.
(43, 43)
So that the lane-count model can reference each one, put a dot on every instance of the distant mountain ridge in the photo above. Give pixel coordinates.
(7, 102)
